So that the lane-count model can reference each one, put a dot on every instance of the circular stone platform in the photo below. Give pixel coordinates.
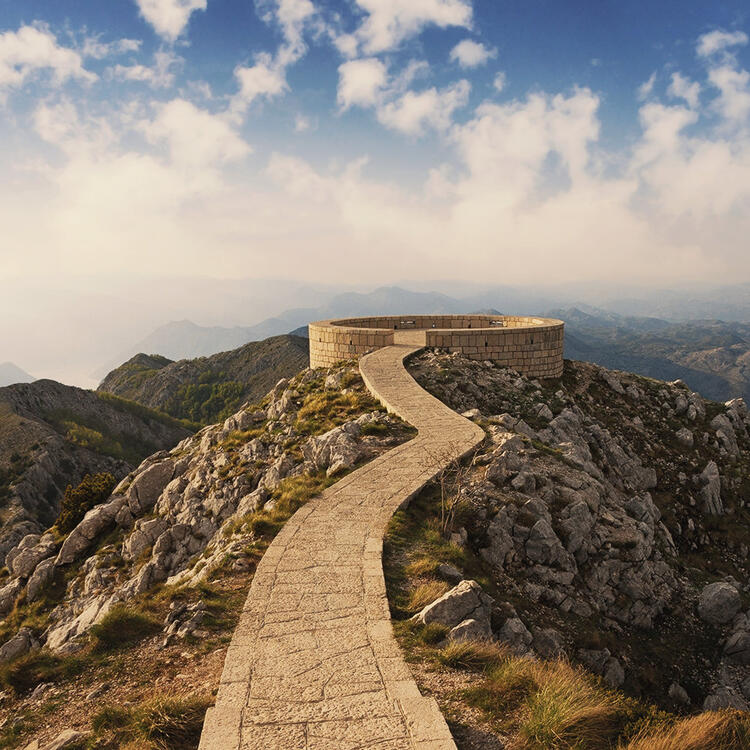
(533, 346)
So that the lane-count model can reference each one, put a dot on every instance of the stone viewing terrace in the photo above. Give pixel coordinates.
(531, 345)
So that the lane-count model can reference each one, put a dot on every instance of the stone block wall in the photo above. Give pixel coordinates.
(533, 346)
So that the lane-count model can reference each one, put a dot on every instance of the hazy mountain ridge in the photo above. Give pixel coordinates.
(11, 373)
(206, 388)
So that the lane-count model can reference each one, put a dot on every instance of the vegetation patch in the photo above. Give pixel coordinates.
(77, 501)
(122, 626)
(161, 723)
(26, 672)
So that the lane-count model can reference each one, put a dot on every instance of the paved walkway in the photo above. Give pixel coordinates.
(313, 663)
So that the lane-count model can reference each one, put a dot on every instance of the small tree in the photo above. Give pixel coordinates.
(93, 489)
(452, 480)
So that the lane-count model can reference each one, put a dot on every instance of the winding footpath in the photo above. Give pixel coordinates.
(313, 663)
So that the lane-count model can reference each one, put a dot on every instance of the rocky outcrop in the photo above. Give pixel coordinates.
(583, 511)
(178, 516)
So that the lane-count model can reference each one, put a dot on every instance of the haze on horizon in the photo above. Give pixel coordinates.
(153, 152)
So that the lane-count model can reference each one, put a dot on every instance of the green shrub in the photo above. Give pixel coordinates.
(122, 627)
(26, 672)
(76, 502)
(172, 723)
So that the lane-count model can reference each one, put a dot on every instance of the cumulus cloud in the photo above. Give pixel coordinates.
(719, 41)
(683, 88)
(32, 49)
(267, 77)
(361, 82)
(194, 136)
(169, 18)
(414, 111)
(388, 23)
(471, 54)
(160, 75)
(500, 81)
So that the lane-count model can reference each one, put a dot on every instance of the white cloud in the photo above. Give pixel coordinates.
(719, 41)
(647, 87)
(500, 81)
(160, 75)
(734, 99)
(361, 82)
(35, 48)
(471, 54)
(412, 112)
(683, 88)
(390, 22)
(266, 79)
(195, 137)
(94, 47)
(169, 18)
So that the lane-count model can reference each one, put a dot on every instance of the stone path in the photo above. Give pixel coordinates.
(313, 663)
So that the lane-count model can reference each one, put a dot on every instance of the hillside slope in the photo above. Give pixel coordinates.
(51, 435)
(206, 389)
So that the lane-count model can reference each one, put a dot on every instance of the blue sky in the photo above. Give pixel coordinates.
(376, 139)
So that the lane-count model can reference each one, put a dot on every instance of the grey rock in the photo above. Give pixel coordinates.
(723, 697)
(711, 490)
(737, 647)
(450, 573)
(145, 489)
(548, 643)
(65, 739)
(685, 437)
(8, 595)
(18, 645)
(465, 601)
(614, 674)
(718, 603)
(471, 630)
(94, 522)
(40, 579)
(678, 694)
(516, 635)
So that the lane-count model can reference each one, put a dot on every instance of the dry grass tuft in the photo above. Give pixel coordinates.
(425, 594)
(474, 655)
(711, 730)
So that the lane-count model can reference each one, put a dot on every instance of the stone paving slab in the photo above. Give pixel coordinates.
(313, 664)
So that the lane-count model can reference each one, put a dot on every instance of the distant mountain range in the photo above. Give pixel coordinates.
(10, 374)
(711, 355)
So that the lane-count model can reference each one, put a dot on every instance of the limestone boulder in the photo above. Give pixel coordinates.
(94, 522)
(145, 489)
(466, 601)
(718, 603)
(40, 579)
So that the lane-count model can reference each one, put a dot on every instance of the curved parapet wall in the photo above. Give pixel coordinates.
(533, 346)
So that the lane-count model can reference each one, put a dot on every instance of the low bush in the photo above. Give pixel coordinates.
(77, 501)
(26, 672)
(122, 627)
(161, 723)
